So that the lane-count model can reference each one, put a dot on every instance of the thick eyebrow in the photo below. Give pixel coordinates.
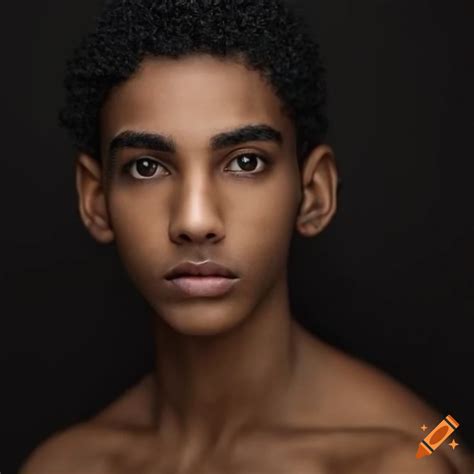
(162, 143)
(248, 133)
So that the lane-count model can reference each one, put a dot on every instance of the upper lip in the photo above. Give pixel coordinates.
(207, 268)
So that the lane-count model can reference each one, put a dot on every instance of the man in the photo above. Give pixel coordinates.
(200, 132)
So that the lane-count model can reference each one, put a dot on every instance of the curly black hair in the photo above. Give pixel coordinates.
(269, 37)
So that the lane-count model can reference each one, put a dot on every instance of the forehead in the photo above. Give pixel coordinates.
(191, 99)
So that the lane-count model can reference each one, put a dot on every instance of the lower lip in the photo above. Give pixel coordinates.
(204, 285)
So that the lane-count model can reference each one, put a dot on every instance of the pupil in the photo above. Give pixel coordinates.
(146, 167)
(246, 162)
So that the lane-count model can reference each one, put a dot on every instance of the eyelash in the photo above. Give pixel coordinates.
(127, 167)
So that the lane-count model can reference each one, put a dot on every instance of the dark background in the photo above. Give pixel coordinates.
(390, 280)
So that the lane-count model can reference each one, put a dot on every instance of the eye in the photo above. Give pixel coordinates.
(143, 168)
(248, 163)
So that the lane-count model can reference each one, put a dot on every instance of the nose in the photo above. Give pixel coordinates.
(195, 213)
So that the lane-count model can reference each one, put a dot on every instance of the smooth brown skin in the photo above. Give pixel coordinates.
(239, 387)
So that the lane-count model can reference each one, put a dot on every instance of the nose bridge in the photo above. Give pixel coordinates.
(195, 215)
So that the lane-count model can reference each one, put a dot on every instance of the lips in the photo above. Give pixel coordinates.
(202, 279)
(203, 286)
(207, 268)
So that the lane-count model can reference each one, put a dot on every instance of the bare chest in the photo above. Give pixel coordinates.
(295, 456)
(268, 463)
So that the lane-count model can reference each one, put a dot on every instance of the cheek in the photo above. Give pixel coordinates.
(140, 232)
(137, 215)
(262, 227)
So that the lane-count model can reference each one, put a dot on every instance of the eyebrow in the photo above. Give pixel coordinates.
(162, 143)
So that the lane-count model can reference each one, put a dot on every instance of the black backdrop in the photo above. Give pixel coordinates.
(390, 280)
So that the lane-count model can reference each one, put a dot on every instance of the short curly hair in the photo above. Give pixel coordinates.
(270, 37)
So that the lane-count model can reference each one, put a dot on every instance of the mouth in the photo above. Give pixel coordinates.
(203, 286)
(201, 279)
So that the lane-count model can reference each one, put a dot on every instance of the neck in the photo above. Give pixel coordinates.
(210, 388)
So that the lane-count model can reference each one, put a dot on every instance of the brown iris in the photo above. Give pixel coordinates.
(146, 168)
(248, 162)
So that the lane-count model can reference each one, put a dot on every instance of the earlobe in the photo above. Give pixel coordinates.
(320, 182)
(92, 205)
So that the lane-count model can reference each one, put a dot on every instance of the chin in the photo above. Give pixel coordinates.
(201, 319)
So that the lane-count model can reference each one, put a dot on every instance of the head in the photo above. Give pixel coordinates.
(200, 129)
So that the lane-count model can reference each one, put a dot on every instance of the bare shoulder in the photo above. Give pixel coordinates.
(359, 395)
(91, 447)
(134, 408)
(388, 452)
(81, 449)
(378, 399)
(401, 458)
(364, 395)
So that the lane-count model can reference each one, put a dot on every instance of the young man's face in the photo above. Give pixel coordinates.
(233, 203)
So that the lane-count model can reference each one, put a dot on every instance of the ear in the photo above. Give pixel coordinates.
(92, 204)
(319, 202)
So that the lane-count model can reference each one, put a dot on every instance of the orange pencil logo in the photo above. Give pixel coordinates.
(437, 437)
